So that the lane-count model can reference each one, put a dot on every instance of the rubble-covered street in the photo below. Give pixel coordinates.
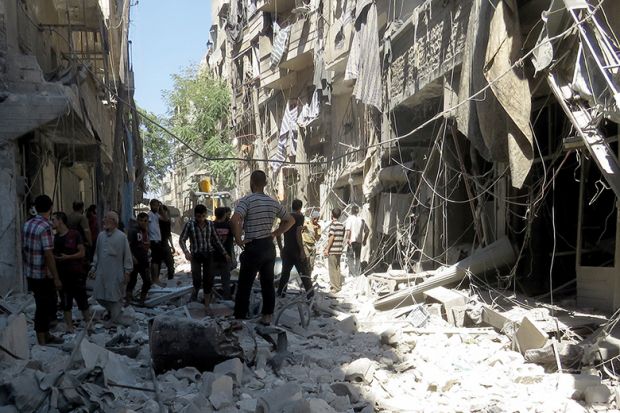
(350, 358)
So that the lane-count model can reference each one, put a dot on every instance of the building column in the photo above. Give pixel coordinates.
(10, 239)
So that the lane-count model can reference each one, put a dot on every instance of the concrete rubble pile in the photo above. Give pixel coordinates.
(437, 355)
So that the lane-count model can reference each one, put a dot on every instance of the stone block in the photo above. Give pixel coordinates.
(597, 394)
(279, 399)
(347, 323)
(312, 406)
(360, 371)
(221, 392)
(448, 299)
(232, 368)
(530, 336)
(346, 389)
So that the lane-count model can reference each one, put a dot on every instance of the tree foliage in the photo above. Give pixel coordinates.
(198, 109)
(157, 152)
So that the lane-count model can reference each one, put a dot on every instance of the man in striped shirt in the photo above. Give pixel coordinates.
(333, 251)
(203, 240)
(258, 213)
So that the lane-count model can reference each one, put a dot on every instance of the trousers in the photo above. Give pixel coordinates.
(259, 256)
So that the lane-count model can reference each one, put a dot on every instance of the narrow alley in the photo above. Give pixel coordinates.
(344, 206)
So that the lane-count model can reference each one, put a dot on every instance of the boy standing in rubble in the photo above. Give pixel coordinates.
(333, 251)
(139, 245)
(69, 251)
(203, 241)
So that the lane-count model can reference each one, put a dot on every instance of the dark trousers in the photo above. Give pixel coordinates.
(168, 260)
(222, 269)
(288, 262)
(142, 268)
(259, 256)
(45, 299)
(202, 273)
(354, 264)
(73, 288)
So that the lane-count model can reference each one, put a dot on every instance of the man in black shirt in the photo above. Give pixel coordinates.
(166, 240)
(139, 245)
(293, 253)
(221, 266)
(69, 252)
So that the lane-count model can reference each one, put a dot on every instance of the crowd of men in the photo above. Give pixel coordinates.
(60, 251)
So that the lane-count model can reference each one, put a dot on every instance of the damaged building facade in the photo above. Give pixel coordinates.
(453, 123)
(67, 127)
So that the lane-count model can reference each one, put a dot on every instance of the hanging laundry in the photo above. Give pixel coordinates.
(280, 43)
(310, 111)
(287, 142)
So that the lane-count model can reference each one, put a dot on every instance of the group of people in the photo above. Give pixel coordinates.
(60, 250)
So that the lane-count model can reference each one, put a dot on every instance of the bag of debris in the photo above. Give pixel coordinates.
(180, 342)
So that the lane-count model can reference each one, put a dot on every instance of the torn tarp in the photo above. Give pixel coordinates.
(310, 111)
(501, 115)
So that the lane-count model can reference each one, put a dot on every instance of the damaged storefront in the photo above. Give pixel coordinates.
(66, 89)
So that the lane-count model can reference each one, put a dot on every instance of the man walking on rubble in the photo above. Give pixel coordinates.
(257, 213)
(166, 240)
(70, 257)
(157, 246)
(40, 268)
(293, 253)
(112, 265)
(310, 234)
(203, 241)
(139, 245)
(356, 234)
(333, 251)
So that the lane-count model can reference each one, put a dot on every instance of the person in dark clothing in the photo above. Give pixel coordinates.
(139, 246)
(254, 217)
(166, 240)
(292, 253)
(221, 266)
(203, 242)
(69, 251)
(93, 224)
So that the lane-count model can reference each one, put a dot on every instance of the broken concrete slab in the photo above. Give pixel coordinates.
(14, 337)
(530, 336)
(347, 323)
(114, 366)
(346, 389)
(232, 367)
(280, 399)
(448, 299)
(597, 394)
(221, 392)
(360, 371)
(312, 406)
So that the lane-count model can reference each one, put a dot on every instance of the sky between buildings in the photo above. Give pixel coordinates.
(166, 36)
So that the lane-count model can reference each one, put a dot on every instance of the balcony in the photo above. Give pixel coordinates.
(275, 6)
(301, 45)
(417, 66)
(273, 78)
(251, 31)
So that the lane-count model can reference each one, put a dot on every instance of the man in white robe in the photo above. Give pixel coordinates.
(112, 264)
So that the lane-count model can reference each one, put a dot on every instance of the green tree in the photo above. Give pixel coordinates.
(198, 109)
(157, 152)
